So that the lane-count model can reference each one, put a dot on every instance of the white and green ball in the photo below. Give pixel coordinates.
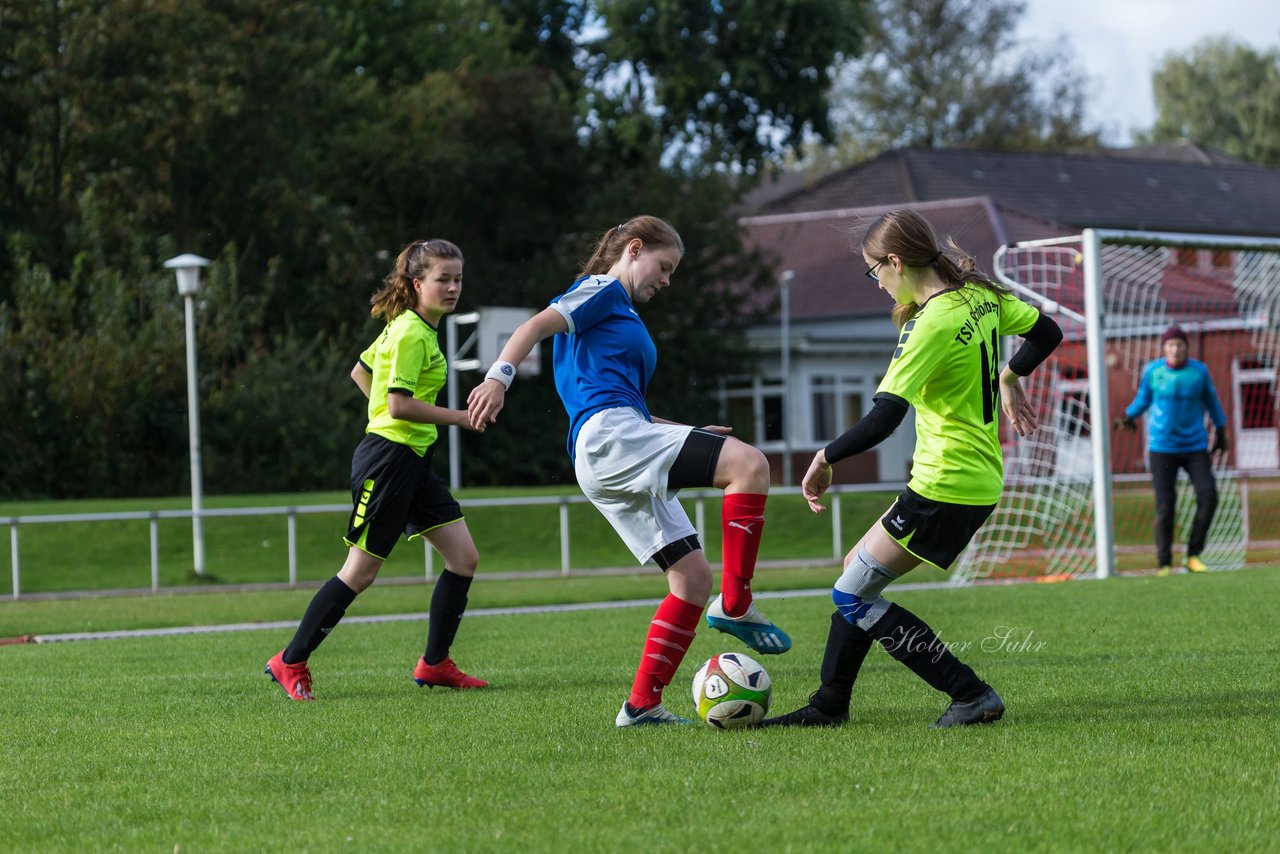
(731, 690)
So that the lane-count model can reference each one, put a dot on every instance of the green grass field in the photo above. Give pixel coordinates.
(1143, 721)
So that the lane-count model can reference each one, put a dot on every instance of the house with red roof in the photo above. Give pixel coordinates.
(827, 342)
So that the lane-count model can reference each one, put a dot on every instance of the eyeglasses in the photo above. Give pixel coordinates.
(871, 271)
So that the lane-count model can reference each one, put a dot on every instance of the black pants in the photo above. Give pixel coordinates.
(1164, 477)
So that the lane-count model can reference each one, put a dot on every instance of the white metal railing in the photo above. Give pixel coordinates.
(291, 514)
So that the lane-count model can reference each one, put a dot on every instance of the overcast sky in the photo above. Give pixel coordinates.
(1119, 43)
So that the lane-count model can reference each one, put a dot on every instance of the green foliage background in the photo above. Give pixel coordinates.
(300, 146)
(1223, 94)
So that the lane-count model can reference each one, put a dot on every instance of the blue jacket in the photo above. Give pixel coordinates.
(1178, 399)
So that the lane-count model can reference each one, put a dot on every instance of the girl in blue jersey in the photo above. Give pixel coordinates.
(1179, 391)
(631, 464)
(950, 319)
(394, 490)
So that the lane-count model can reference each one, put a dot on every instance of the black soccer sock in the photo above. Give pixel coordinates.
(448, 603)
(324, 612)
(909, 639)
(847, 646)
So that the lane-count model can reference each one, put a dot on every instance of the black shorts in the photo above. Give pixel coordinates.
(394, 492)
(934, 531)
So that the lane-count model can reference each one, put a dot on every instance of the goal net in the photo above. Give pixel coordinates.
(1078, 497)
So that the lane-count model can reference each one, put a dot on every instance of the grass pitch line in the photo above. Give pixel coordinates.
(401, 618)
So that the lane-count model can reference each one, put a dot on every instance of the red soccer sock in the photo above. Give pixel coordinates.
(669, 637)
(741, 522)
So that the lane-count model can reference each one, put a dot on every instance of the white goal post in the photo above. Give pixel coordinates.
(1078, 500)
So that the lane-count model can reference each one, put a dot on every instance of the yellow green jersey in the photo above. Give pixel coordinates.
(405, 359)
(947, 366)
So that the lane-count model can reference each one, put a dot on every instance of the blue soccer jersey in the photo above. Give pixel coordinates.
(606, 358)
(1178, 399)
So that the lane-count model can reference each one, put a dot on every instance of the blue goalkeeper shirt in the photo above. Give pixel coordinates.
(606, 358)
(1178, 399)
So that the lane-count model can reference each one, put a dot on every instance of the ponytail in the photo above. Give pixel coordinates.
(650, 230)
(396, 295)
(908, 235)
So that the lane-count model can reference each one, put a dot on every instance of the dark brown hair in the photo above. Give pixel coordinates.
(414, 261)
(650, 229)
(908, 235)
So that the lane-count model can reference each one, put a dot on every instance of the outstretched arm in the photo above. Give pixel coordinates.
(485, 401)
(1038, 344)
(1142, 400)
(1015, 404)
(872, 429)
(406, 407)
(1211, 403)
(1221, 445)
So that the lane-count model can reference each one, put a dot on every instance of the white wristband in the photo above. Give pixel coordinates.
(503, 372)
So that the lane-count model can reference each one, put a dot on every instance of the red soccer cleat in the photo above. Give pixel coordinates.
(445, 675)
(295, 679)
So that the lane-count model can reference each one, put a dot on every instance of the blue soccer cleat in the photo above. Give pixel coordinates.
(752, 628)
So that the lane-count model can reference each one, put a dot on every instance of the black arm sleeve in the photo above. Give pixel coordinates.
(871, 429)
(1038, 342)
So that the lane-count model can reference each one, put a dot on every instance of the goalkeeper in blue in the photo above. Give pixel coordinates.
(1176, 392)
(950, 318)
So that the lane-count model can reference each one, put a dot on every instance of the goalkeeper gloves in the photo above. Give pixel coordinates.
(1124, 422)
(1220, 443)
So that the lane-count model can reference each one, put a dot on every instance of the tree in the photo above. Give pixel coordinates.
(300, 145)
(949, 73)
(1220, 94)
(729, 83)
(93, 379)
(545, 34)
(34, 139)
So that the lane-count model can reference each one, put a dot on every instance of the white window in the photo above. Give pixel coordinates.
(836, 404)
(1254, 396)
(753, 408)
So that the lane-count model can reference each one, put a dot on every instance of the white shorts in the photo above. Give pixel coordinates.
(622, 461)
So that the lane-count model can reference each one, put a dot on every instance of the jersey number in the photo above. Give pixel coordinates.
(990, 378)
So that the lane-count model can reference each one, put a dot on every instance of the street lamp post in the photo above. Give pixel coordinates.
(787, 277)
(187, 268)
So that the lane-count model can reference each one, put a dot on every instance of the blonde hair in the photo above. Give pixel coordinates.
(414, 261)
(908, 235)
(649, 229)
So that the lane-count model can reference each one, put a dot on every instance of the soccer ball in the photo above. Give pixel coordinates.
(731, 691)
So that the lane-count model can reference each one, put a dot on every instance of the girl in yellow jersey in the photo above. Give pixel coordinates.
(393, 487)
(946, 365)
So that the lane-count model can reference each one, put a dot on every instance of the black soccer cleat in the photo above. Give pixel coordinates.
(988, 707)
(809, 715)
